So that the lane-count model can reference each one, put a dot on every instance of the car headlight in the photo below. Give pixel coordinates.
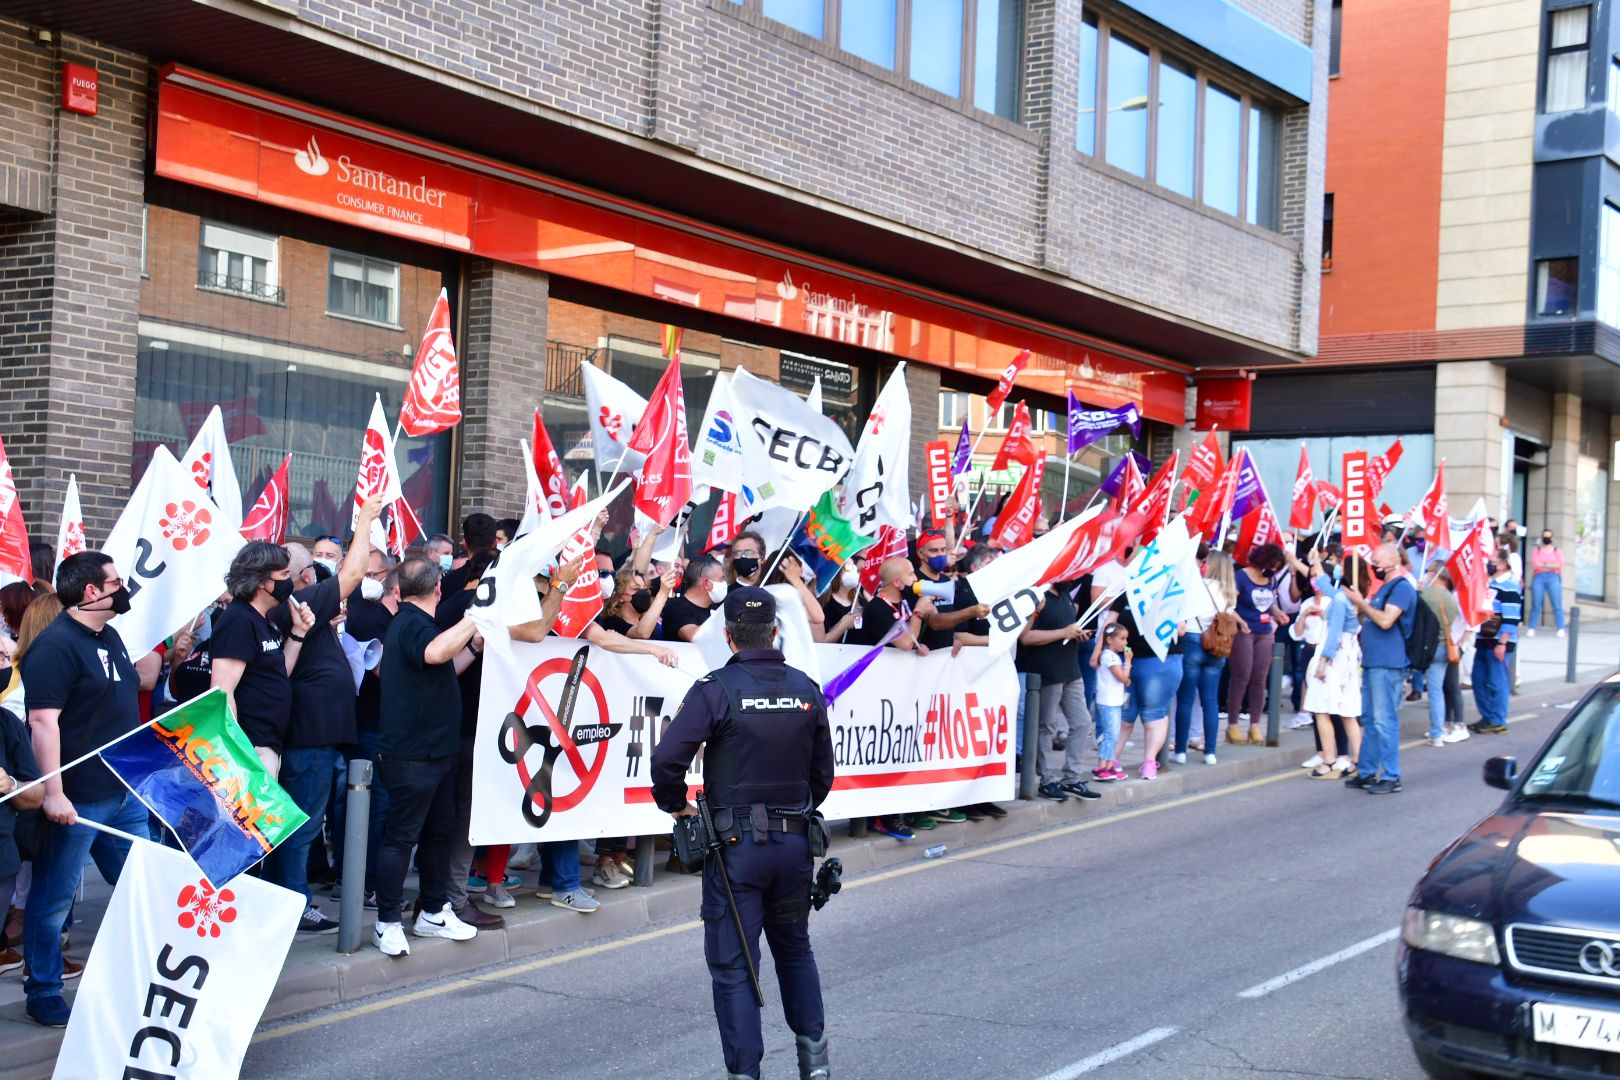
(1450, 935)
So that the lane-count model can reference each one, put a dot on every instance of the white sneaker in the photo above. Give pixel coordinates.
(1456, 734)
(1301, 720)
(1440, 741)
(1311, 762)
(1560, 633)
(609, 874)
(1529, 633)
(497, 895)
(1243, 717)
(443, 923)
(390, 938)
(524, 857)
(1209, 759)
(576, 900)
(1179, 759)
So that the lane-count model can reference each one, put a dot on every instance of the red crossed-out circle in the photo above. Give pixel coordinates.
(587, 775)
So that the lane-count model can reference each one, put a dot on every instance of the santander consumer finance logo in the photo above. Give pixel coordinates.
(310, 161)
(370, 189)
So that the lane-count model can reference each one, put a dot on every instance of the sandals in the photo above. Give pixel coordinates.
(1323, 772)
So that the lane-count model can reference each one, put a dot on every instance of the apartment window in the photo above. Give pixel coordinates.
(1608, 303)
(1165, 121)
(1567, 33)
(1335, 37)
(1003, 418)
(362, 288)
(1327, 231)
(971, 50)
(234, 260)
(952, 409)
(1086, 137)
(1555, 286)
(1614, 86)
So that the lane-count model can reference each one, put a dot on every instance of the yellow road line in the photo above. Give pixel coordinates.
(588, 951)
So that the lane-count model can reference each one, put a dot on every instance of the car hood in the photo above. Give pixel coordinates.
(1534, 865)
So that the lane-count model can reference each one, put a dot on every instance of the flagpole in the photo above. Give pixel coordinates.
(110, 831)
(1327, 527)
(1064, 505)
(764, 579)
(967, 522)
(60, 769)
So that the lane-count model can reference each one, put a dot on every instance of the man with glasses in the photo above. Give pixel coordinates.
(82, 692)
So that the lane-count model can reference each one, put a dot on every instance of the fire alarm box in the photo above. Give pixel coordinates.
(80, 87)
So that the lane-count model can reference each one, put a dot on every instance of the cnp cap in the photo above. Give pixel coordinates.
(750, 604)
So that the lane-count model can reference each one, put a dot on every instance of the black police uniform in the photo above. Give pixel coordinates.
(768, 762)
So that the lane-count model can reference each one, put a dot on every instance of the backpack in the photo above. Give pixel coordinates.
(1424, 640)
(1217, 638)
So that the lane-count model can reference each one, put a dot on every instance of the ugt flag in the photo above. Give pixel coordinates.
(433, 396)
(14, 558)
(197, 770)
(179, 974)
(826, 541)
(268, 518)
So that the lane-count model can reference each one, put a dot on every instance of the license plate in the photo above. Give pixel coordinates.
(1567, 1025)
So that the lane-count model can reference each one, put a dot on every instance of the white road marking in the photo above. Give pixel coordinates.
(1113, 1053)
(1531, 715)
(1314, 966)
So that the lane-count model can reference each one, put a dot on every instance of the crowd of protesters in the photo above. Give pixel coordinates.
(330, 653)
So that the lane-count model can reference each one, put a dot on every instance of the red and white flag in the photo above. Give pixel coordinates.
(1017, 446)
(268, 518)
(1009, 375)
(1471, 574)
(1132, 484)
(1379, 468)
(433, 397)
(1204, 464)
(891, 544)
(726, 524)
(208, 462)
(548, 469)
(403, 527)
(1303, 508)
(70, 534)
(583, 602)
(1016, 524)
(1215, 503)
(1329, 495)
(665, 482)
(1258, 529)
(378, 473)
(1154, 504)
(1433, 514)
(14, 558)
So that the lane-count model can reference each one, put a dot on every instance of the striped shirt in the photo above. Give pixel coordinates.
(1507, 610)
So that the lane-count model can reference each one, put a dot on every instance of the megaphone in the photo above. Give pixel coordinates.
(940, 590)
(363, 656)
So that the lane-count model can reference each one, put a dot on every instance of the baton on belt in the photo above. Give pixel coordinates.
(731, 901)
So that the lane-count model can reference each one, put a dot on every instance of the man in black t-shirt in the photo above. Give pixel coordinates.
(703, 585)
(82, 692)
(934, 567)
(896, 577)
(1050, 647)
(322, 718)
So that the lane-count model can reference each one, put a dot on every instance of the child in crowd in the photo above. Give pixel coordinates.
(1112, 680)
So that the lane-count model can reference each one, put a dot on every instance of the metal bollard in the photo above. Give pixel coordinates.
(646, 853)
(1032, 738)
(857, 828)
(1574, 636)
(356, 830)
(1279, 652)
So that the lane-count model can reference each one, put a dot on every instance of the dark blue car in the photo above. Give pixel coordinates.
(1509, 961)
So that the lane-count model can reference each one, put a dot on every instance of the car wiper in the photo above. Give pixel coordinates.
(1575, 797)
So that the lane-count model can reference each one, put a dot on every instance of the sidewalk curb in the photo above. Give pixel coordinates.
(315, 977)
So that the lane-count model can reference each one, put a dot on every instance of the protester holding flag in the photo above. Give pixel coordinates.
(82, 691)
(1333, 677)
(1387, 617)
(703, 587)
(633, 609)
(17, 767)
(252, 660)
(1498, 638)
(842, 602)
(1251, 653)
(934, 569)
(1445, 696)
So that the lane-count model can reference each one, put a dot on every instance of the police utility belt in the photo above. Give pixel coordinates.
(699, 836)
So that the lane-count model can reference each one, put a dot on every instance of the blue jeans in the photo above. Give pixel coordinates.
(1153, 687)
(1107, 722)
(306, 774)
(1088, 677)
(1381, 689)
(57, 873)
(1435, 679)
(559, 864)
(1490, 687)
(1544, 585)
(1200, 685)
(1025, 703)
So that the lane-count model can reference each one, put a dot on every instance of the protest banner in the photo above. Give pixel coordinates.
(938, 456)
(1357, 503)
(179, 974)
(915, 733)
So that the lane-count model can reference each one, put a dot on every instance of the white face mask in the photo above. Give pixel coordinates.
(850, 579)
(331, 566)
(717, 591)
(371, 589)
(606, 586)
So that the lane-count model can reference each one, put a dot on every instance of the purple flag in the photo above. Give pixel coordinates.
(839, 683)
(1086, 427)
(1250, 491)
(1110, 486)
(964, 452)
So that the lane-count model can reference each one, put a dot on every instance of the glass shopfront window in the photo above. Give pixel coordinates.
(1591, 527)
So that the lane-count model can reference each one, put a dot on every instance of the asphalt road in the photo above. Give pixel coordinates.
(1145, 944)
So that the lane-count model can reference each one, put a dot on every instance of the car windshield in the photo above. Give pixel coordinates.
(1582, 764)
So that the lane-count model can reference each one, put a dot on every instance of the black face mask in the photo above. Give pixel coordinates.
(1546, 540)
(745, 565)
(1378, 573)
(119, 597)
(641, 600)
(281, 591)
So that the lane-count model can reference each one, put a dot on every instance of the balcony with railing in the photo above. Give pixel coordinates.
(563, 378)
(254, 290)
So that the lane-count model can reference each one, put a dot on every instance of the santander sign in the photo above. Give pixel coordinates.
(311, 162)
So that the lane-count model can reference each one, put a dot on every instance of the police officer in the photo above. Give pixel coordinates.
(767, 765)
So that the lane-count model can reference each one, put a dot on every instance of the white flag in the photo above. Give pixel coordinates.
(798, 647)
(1164, 586)
(506, 595)
(70, 534)
(208, 463)
(614, 411)
(717, 459)
(172, 546)
(179, 974)
(536, 509)
(878, 488)
(813, 398)
(379, 473)
(1011, 584)
(791, 455)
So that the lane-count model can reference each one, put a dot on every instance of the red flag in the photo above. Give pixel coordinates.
(1205, 515)
(1131, 485)
(14, 558)
(1154, 503)
(1303, 508)
(1257, 529)
(726, 524)
(1329, 495)
(403, 527)
(1204, 464)
(665, 483)
(1015, 525)
(549, 468)
(433, 398)
(1017, 446)
(1009, 375)
(268, 518)
(1360, 527)
(583, 602)
(1471, 574)
(891, 544)
(1379, 468)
